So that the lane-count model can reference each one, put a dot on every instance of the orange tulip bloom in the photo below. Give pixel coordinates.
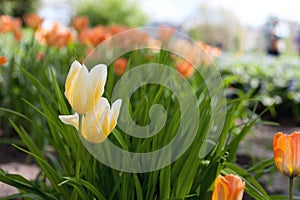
(80, 23)
(93, 36)
(10, 24)
(100, 34)
(17, 29)
(120, 66)
(185, 68)
(33, 21)
(6, 24)
(58, 36)
(165, 34)
(2, 60)
(287, 153)
(229, 187)
(115, 29)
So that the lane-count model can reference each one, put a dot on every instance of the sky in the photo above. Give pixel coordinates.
(250, 13)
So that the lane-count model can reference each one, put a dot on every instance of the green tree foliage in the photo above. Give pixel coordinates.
(18, 8)
(108, 12)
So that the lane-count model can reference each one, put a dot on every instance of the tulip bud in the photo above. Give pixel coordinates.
(84, 89)
(287, 153)
(229, 187)
(98, 123)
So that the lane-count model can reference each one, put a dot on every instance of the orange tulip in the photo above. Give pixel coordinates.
(10, 24)
(40, 55)
(17, 29)
(58, 36)
(100, 34)
(229, 187)
(2, 60)
(165, 34)
(80, 23)
(33, 21)
(115, 29)
(93, 36)
(6, 24)
(120, 66)
(185, 68)
(287, 153)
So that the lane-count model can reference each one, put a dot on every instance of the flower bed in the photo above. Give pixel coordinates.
(167, 93)
(274, 82)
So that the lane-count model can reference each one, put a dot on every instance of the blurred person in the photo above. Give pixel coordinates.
(297, 40)
(276, 31)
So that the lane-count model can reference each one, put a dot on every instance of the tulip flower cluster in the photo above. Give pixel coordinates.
(33, 21)
(13, 25)
(84, 91)
(80, 32)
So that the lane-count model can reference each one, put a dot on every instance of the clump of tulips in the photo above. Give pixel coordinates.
(93, 117)
(81, 33)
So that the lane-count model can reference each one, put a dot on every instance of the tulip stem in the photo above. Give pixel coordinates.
(79, 147)
(291, 188)
(80, 123)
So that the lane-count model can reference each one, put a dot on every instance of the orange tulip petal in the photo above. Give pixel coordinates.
(229, 187)
(287, 153)
(2, 60)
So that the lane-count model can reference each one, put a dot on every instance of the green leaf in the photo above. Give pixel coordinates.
(24, 196)
(61, 103)
(83, 183)
(283, 197)
(23, 184)
(138, 188)
(261, 165)
(38, 84)
(165, 182)
(38, 155)
(253, 188)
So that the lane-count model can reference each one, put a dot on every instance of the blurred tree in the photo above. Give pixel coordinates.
(18, 8)
(217, 27)
(106, 12)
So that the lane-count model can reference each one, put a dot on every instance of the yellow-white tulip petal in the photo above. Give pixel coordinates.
(70, 119)
(90, 130)
(98, 78)
(83, 89)
(104, 122)
(99, 123)
(108, 119)
(115, 110)
(83, 98)
(79, 88)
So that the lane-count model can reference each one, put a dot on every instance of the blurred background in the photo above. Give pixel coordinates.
(233, 25)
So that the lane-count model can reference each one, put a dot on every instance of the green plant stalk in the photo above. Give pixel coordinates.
(291, 187)
(78, 148)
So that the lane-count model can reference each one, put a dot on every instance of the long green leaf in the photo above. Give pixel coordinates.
(253, 188)
(84, 183)
(37, 84)
(38, 155)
